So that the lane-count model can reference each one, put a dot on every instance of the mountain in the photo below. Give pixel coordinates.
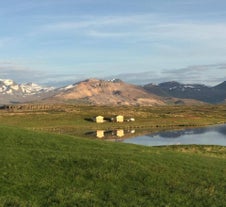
(216, 94)
(11, 88)
(221, 86)
(11, 92)
(112, 92)
(102, 92)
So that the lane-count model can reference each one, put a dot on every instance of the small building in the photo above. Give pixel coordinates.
(100, 134)
(99, 119)
(119, 118)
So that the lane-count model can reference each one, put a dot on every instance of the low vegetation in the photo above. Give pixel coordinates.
(60, 169)
(40, 169)
(72, 120)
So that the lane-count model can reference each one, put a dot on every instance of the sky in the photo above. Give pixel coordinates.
(140, 41)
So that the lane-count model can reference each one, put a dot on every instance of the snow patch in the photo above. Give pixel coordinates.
(69, 87)
(11, 88)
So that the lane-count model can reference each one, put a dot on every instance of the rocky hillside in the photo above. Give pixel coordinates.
(11, 92)
(101, 92)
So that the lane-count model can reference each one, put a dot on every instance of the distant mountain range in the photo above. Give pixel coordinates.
(11, 92)
(112, 92)
(215, 94)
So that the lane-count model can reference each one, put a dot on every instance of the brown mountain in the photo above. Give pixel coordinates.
(102, 92)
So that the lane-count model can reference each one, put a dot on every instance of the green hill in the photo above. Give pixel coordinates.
(40, 169)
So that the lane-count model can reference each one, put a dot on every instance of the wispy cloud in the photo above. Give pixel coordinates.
(208, 74)
(96, 21)
(202, 74)
(114, 35)
(100, 34)
(192, 31)
(18, 72)
(22, 74)
(153, 30)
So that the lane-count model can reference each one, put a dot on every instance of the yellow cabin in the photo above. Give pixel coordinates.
(99, 119)
(119, 118)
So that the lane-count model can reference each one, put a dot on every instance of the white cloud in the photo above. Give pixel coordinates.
(100, 34)
(148, 40)
(206, 74)
(192, 31)
(146, 25)
(100, 24)
(18, 72)
(202, 74)
(22, 74)
(173, 42)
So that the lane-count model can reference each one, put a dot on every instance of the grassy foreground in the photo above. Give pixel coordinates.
(41, 169)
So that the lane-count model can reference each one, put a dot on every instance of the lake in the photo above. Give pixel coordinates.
(214, 135)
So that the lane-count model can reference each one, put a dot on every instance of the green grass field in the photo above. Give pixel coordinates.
(49, 169)
(70, 119)
(39, 169)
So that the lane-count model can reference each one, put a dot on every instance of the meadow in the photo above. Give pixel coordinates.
(43, 162)
(72, 119)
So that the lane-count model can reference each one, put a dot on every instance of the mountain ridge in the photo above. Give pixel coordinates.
(107, 92)
(12, 92)
(213, 95)
(112, 92)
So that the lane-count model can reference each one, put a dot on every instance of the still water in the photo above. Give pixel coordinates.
(215, 135)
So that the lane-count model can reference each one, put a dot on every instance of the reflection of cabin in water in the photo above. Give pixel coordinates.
(100, 133)
(114, 133)
(99, 119)
(119, 118)
(111, 134)
(120, 133)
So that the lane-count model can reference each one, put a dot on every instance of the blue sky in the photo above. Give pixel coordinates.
(48, 41)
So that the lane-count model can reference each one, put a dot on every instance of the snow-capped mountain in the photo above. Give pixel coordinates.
(9, 87)
(216, 94)
(12, 92)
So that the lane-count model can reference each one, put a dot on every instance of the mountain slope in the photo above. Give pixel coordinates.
(221, 86)
(11, 92)
(101, 92)
(199, 92)
(11, 88)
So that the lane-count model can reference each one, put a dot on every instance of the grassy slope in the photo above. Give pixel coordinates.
(38, 169)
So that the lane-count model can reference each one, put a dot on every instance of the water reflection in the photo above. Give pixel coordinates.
(110, 134)
(202, 136)
(120, 133)
(100, 133)
(173, 134)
